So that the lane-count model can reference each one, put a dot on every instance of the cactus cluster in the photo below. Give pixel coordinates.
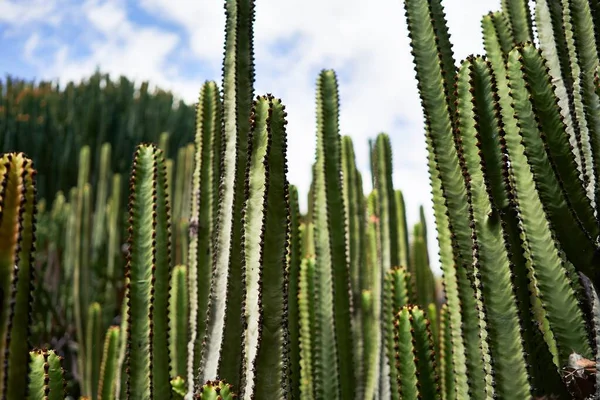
(209, 282)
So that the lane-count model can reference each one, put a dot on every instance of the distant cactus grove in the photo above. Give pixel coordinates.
(152, 250)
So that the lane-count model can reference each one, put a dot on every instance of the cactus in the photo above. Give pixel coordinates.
(216, 390)
(179, 319)
(108, 368)
(265, 216)
(204, 189)
(220, 354)
(331, 247)
(17, 243)
(93, 349)
(46, 376)
(148, 278)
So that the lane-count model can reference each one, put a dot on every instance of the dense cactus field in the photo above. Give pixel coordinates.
(164, 254)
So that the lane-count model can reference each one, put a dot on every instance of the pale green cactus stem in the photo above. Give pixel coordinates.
(421, 276)
(331, 245)
(99, 225)
(519, 17)
(395, 297)
(178, 318)
(579, 28)
(294, 261)
(93, 351)
(216, 390)
(406, 369)
(114, 248)
(221, 354)
(553, 45)
(354, 201)
(444, 359)
(163, 143)
(108, 368)
(403, 234)
(265, 238)
(80, 260)
(148, 277)
(307, 316)
(371, 278)
(201, 228)
(46, 376)
(17, 244)
(387, 214)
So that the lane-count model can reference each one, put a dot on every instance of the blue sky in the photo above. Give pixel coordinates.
(177, 44)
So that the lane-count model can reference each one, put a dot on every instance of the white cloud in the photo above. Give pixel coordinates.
(365, 41)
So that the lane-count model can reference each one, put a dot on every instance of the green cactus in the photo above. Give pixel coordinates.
(17, 243)
(220, 355)
(294, 262)
(216, 390)
(148, 278)
(200, 254)
(331, 247)
(46, 376)
(179, 319)
(108, 368)
(93, 351)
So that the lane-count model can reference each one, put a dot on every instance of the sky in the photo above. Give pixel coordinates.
(178, 44)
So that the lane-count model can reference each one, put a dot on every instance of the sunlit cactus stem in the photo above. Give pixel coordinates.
(178, 311)
(266, 237)
(201, 226)
(148, 275)
(46, 376)
(221, 354)
(108, 368)
(17, 244)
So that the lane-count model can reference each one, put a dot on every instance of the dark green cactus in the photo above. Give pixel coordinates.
(17, 243)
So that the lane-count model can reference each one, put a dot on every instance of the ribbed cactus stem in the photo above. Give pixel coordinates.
(93, 343)
(307, 315)
(99, 226)
(179, 319)
(108, 368)
(294, 261)
(80, 261)
(46, 376)
(148, 275)
(221, 356)
(216, 390)
(201, 230)
(266, 231)
(332, 245)
(17, 244)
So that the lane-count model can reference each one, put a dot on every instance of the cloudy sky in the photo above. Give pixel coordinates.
(177, 44)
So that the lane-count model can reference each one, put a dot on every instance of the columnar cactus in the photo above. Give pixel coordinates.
(148, 278)
(17, 243)
(220, 355)
(46, 376)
